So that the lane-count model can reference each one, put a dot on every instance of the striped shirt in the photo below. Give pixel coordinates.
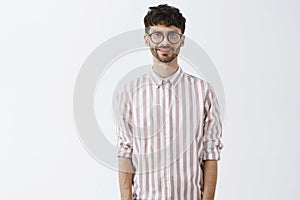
(168, 126)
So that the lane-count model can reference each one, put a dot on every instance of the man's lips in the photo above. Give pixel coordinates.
(164, 50)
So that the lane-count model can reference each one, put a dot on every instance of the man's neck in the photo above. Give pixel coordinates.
(165, 69)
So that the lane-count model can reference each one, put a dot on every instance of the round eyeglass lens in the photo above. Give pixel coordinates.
(157, 37)
(173, 37)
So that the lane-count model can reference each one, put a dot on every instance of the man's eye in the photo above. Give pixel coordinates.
(156, 35)
(172, 35)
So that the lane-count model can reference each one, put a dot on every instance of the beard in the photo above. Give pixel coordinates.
(167, 57)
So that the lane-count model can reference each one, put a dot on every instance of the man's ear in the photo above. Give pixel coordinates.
(182, 41)
(146, 40)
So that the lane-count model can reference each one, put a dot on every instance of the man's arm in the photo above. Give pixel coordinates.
(122, 111)
(125, 178)
(210, 179)
(212, 132)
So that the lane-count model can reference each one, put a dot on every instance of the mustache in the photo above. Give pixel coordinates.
(165, 47)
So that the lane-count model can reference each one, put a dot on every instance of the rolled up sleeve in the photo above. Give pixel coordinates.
(212, 127)
(122, 112)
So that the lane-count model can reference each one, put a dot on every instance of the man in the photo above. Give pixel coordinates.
(168, 122)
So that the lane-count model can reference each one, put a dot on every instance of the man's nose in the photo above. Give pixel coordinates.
(165, 41)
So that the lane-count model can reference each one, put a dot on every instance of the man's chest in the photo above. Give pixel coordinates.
(165, 117)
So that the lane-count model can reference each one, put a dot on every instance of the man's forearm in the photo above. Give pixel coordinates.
(210, 179)
(125, 178)
(125, 181)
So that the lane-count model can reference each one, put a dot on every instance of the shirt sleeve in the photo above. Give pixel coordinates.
(122, 112)
(212, 126)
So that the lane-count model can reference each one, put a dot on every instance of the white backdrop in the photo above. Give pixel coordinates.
(254, 44)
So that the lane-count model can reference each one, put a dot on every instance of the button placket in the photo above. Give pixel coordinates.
(167, 87)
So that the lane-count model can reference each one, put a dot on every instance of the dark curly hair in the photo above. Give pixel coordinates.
(165, 15)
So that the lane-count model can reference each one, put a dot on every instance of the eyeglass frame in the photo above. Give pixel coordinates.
(163, 36)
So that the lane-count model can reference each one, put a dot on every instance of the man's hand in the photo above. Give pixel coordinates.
(210, 179)
(125, 178)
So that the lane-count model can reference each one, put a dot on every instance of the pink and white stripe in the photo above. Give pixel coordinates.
(168, 126)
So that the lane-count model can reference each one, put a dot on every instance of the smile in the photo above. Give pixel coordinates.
(164, 51)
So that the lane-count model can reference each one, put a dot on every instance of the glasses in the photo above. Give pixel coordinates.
(158, 37)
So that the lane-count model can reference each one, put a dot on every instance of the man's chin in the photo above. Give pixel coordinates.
(165, 59)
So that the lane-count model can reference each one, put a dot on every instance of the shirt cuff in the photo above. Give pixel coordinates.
(124, 151)
(212, 150)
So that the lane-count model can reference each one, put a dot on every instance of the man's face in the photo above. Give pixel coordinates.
(165, 51)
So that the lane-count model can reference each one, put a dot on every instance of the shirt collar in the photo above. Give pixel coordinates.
(173, 79)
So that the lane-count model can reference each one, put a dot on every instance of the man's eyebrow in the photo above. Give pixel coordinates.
(154, 30)
(159, 31)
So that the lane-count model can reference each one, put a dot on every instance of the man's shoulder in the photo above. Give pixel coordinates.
(196, 79)
(132, 84)
(140, 79)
